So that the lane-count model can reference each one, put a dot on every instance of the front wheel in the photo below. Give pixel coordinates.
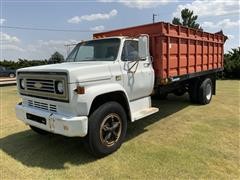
(107, 129)
(11, 75)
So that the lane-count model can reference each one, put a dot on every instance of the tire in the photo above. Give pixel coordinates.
(39, 131)
(179, 92)
(205, 91)
(193, 91)
(11, 75)
(104, 137)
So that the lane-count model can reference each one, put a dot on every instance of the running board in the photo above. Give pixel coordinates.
(144, 113)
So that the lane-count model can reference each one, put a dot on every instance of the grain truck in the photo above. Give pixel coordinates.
(109, 80)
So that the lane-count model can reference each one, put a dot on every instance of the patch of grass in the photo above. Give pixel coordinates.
(181, 141)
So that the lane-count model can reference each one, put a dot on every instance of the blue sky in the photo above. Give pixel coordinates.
(100, 15)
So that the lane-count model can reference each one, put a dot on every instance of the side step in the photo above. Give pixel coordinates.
(144, 113)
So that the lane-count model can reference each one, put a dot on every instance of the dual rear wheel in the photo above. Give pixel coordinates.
(200, 92)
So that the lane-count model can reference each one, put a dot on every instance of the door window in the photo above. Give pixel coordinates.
(130, 51)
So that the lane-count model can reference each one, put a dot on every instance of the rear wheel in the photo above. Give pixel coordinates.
(39, 131)
(106, 130)
(11, 75)
(205, 91)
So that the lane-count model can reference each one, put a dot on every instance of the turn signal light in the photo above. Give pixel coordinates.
(80, 90)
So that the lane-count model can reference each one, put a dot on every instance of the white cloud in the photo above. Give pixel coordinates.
(210, 7)
(11, 47)
(230, 36)
(55, 42)
(6, 38)
(2, 21)
(140, 4)
(107, 1)
(226, 23)
(93, 17)
(9, 42)
(42, 49)
(97, 28)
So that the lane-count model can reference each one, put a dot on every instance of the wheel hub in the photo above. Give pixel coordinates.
(208, 92)
(110, 129)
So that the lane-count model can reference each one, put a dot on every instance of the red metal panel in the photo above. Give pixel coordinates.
(177, 50)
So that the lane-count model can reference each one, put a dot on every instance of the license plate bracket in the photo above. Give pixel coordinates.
(35, 118)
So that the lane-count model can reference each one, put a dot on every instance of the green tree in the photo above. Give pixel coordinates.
(56, 58)
(232, 64)
(187, 19)
(21, 63)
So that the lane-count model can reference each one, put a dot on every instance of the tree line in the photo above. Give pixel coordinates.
(21, 63)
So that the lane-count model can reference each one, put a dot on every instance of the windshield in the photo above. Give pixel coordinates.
(95, 50)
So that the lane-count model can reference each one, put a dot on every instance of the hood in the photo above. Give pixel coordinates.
(77, 71)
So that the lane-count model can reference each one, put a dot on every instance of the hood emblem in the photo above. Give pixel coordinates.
(38, 85)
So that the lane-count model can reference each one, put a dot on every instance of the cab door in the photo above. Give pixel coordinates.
(138, 75)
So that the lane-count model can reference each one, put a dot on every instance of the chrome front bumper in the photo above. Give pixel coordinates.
(55, 123)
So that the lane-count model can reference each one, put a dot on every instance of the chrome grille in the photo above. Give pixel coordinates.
(40, 85)
(43, 106)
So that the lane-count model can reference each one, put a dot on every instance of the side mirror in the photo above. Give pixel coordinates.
(143, 46)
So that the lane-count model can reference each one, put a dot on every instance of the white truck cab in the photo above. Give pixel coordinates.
(103, 84)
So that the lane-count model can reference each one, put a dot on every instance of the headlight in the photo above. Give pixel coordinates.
(59, 87)
(22, 83)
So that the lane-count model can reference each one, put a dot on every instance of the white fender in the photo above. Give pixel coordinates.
(91, 92)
